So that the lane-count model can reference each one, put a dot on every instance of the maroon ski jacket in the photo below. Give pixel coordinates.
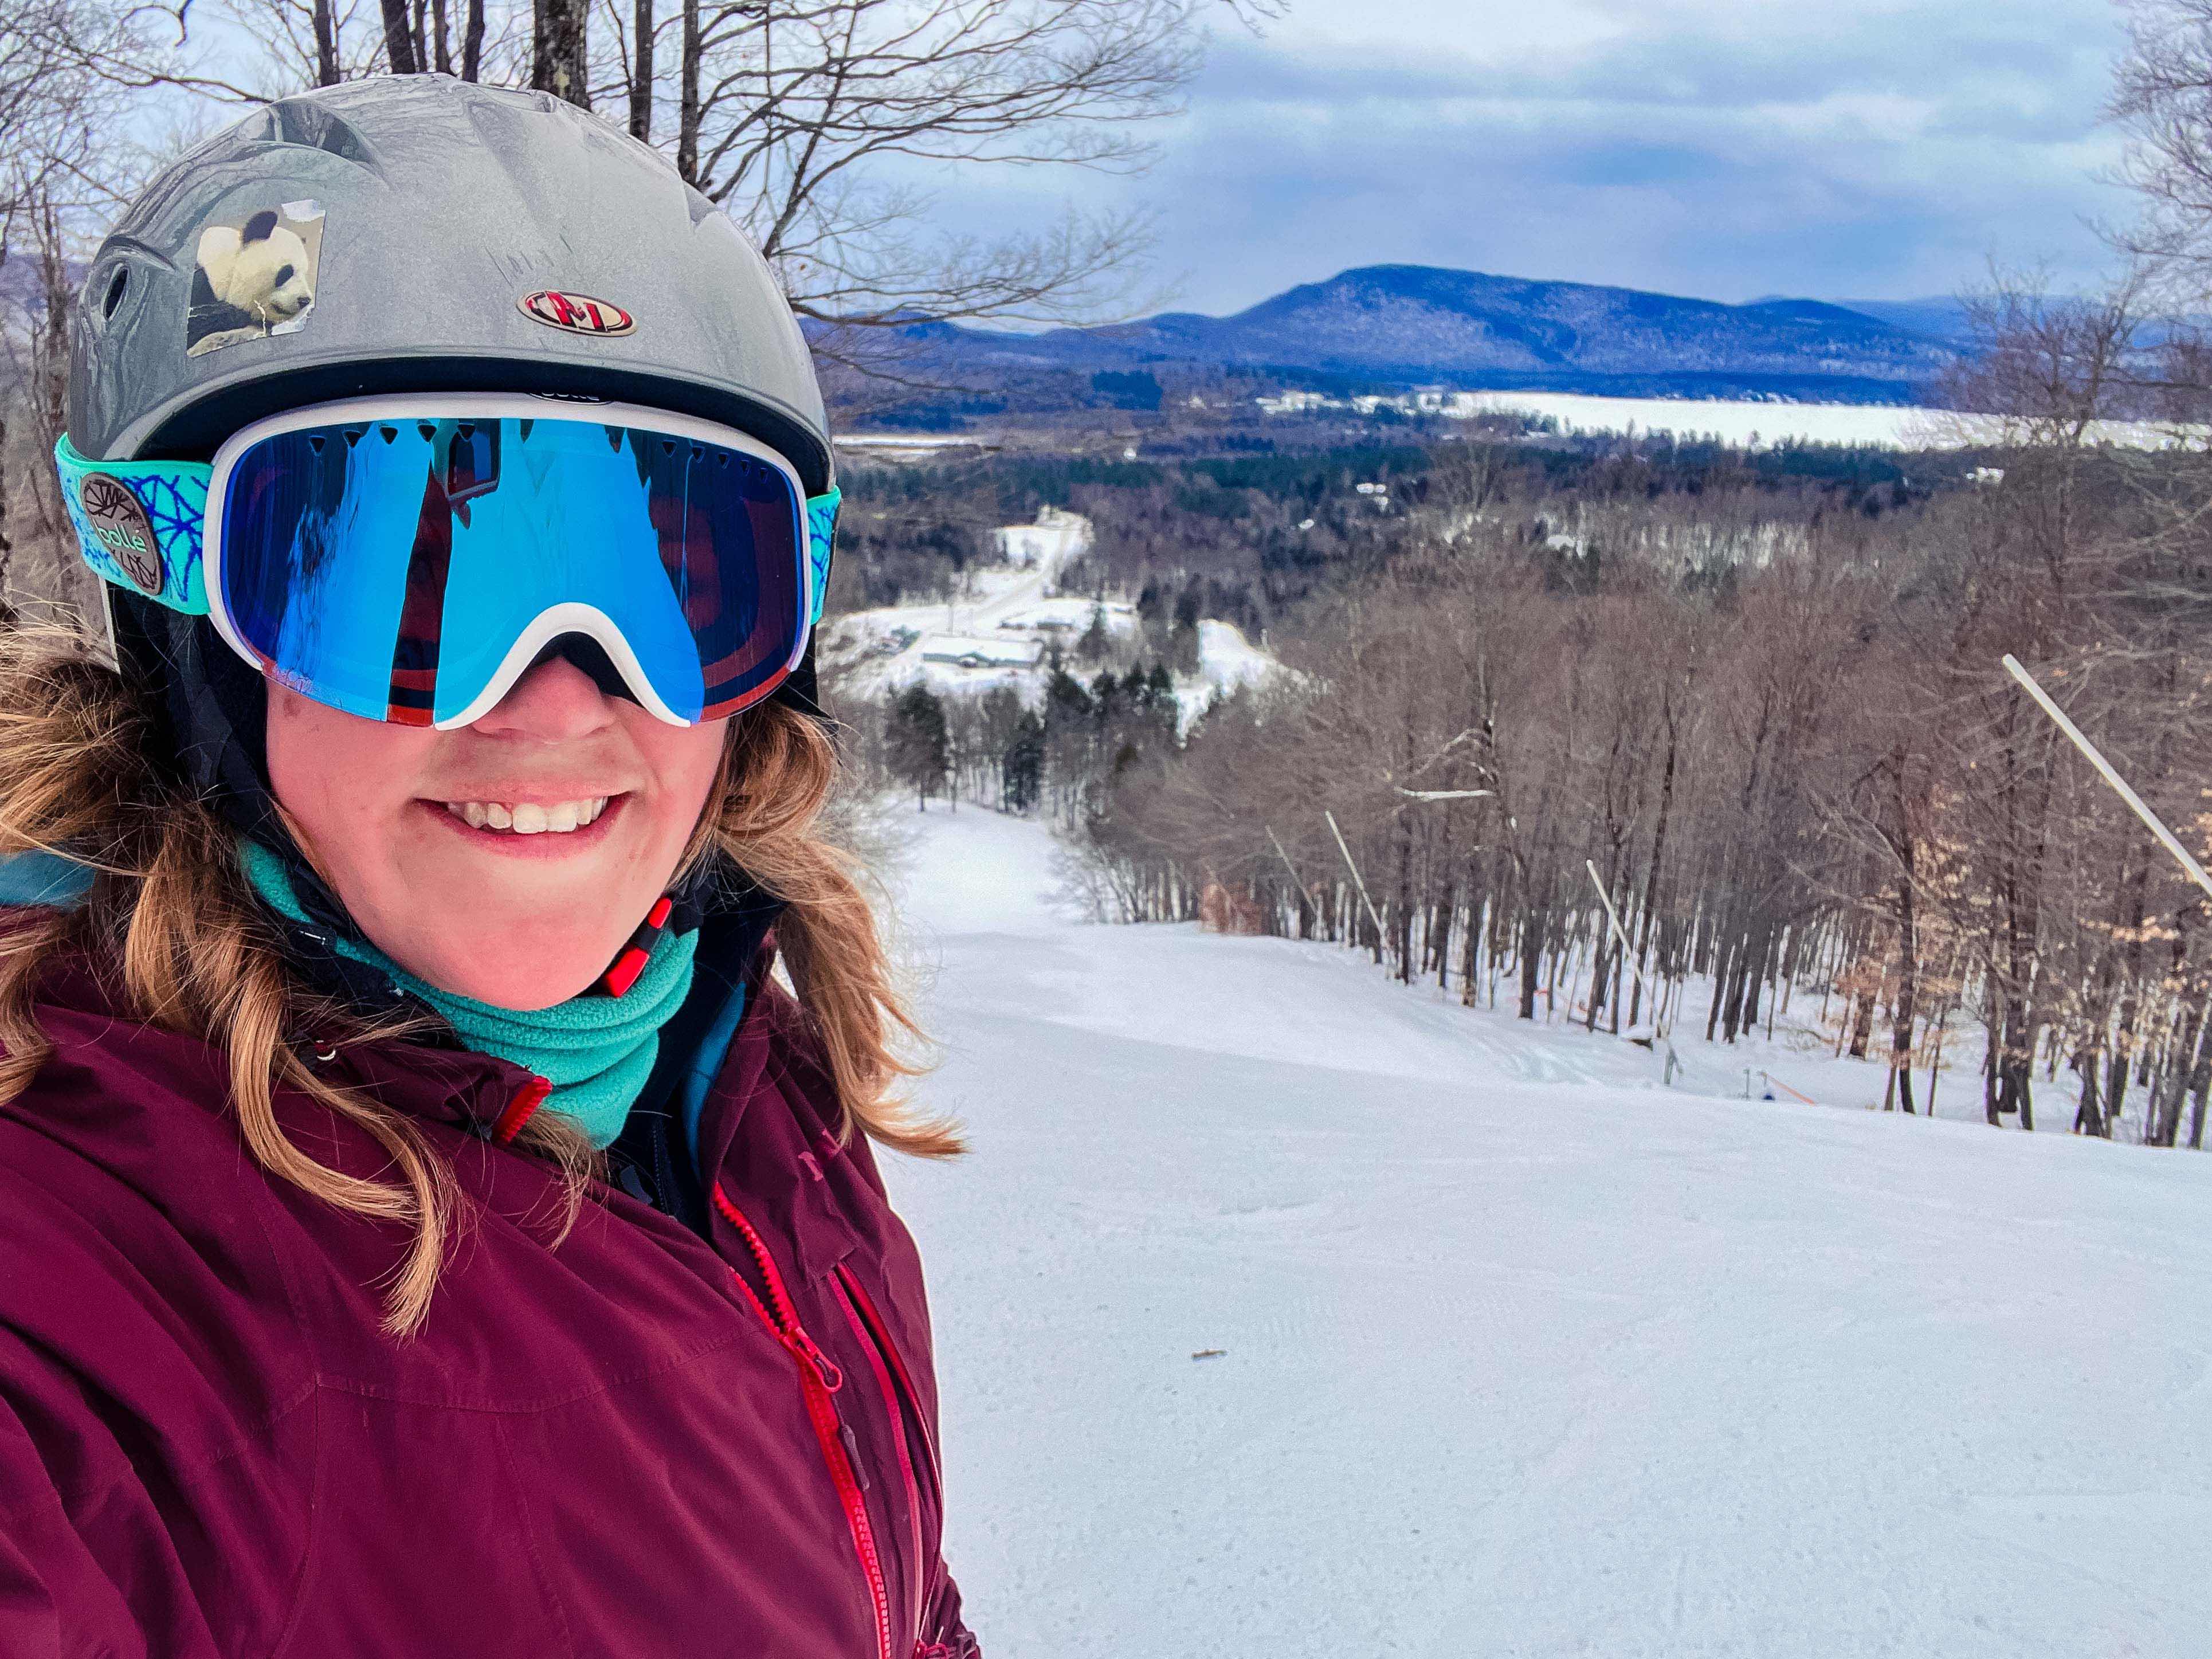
(639, 1441)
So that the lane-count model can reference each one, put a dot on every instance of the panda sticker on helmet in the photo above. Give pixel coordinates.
(254, 277)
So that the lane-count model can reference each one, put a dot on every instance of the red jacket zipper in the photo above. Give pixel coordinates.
(885, 1352)
(817, 1380)
(858, 1293)
(897, 1416)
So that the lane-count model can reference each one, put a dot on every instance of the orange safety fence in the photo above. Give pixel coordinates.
(1795, 1094)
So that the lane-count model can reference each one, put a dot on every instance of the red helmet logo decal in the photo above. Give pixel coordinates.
(579, 313)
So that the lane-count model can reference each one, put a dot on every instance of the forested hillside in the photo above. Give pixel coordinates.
(1760, 693)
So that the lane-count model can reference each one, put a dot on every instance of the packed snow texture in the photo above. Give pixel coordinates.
(1519, 1353)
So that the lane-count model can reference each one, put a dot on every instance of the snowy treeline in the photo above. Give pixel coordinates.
(1799, 772)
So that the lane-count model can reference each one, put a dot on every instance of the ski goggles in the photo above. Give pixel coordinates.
(407, 559)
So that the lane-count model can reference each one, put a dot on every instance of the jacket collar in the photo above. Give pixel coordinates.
(425, 1072)
(735, 952)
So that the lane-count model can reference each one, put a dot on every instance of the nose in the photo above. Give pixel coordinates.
(554, 701)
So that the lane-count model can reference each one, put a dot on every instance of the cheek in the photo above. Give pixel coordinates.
(682, 760)
(343, 781)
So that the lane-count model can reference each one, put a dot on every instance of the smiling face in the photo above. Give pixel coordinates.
(506, 860)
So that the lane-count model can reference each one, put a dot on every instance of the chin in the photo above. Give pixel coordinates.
(527, 996)
(509, 969)
(520, 995)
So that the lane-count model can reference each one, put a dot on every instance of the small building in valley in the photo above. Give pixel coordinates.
(969, 650)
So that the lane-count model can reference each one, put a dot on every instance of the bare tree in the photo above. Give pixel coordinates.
(795, 109)
(52, 113)
(2162, 96)
(827, 128)
(560, 56)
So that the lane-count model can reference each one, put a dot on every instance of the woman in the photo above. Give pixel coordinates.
(427, 1225)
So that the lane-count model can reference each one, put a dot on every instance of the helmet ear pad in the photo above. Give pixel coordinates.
(209, 708)
(800, 691)
(212, 711)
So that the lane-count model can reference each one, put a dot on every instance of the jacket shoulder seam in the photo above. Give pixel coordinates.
(365, 1390)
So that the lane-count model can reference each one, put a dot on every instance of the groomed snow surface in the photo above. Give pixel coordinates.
(1521, 1354)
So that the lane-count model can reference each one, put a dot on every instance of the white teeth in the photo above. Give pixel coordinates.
(530, 817)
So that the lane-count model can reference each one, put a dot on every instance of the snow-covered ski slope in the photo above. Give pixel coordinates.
(1521, 1354)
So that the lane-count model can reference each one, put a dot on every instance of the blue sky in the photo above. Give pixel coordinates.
(1730, 149)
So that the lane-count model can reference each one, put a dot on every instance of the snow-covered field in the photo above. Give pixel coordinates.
(1748, 422)
(1519, 1353)
(1227, 659)
(1000, 628)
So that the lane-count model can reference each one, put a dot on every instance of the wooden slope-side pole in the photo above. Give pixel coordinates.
(2151, 820)
(1612, 920)
(1298, 881)
(1382, 933)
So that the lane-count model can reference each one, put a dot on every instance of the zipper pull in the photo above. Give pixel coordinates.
(527, 1099)
(802, 1346)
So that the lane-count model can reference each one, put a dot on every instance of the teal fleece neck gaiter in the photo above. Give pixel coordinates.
(596, 1050)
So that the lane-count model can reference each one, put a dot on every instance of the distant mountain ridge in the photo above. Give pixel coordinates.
(1415, 324)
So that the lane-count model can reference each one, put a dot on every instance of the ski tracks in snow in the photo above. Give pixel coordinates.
(1519, 1353)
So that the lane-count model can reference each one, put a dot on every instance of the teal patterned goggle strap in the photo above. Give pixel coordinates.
(821, 540)
(139, 524)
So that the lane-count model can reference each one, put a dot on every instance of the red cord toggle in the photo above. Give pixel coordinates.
(638, 952)
(627, 968)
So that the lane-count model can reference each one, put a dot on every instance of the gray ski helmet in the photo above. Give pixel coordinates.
(421, 234)
(406, 234)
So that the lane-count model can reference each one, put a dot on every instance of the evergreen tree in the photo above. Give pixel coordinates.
(1069, 727)
(1022, 769)
(916, 744)
(1096, 642)
(1066, 702)
(1105, 696)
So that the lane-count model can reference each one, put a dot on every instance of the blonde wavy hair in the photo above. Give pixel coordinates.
(172, 917)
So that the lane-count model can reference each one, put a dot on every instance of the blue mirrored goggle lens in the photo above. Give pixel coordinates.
(387, 568)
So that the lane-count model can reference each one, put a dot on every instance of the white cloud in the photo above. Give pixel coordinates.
(1727, 147)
